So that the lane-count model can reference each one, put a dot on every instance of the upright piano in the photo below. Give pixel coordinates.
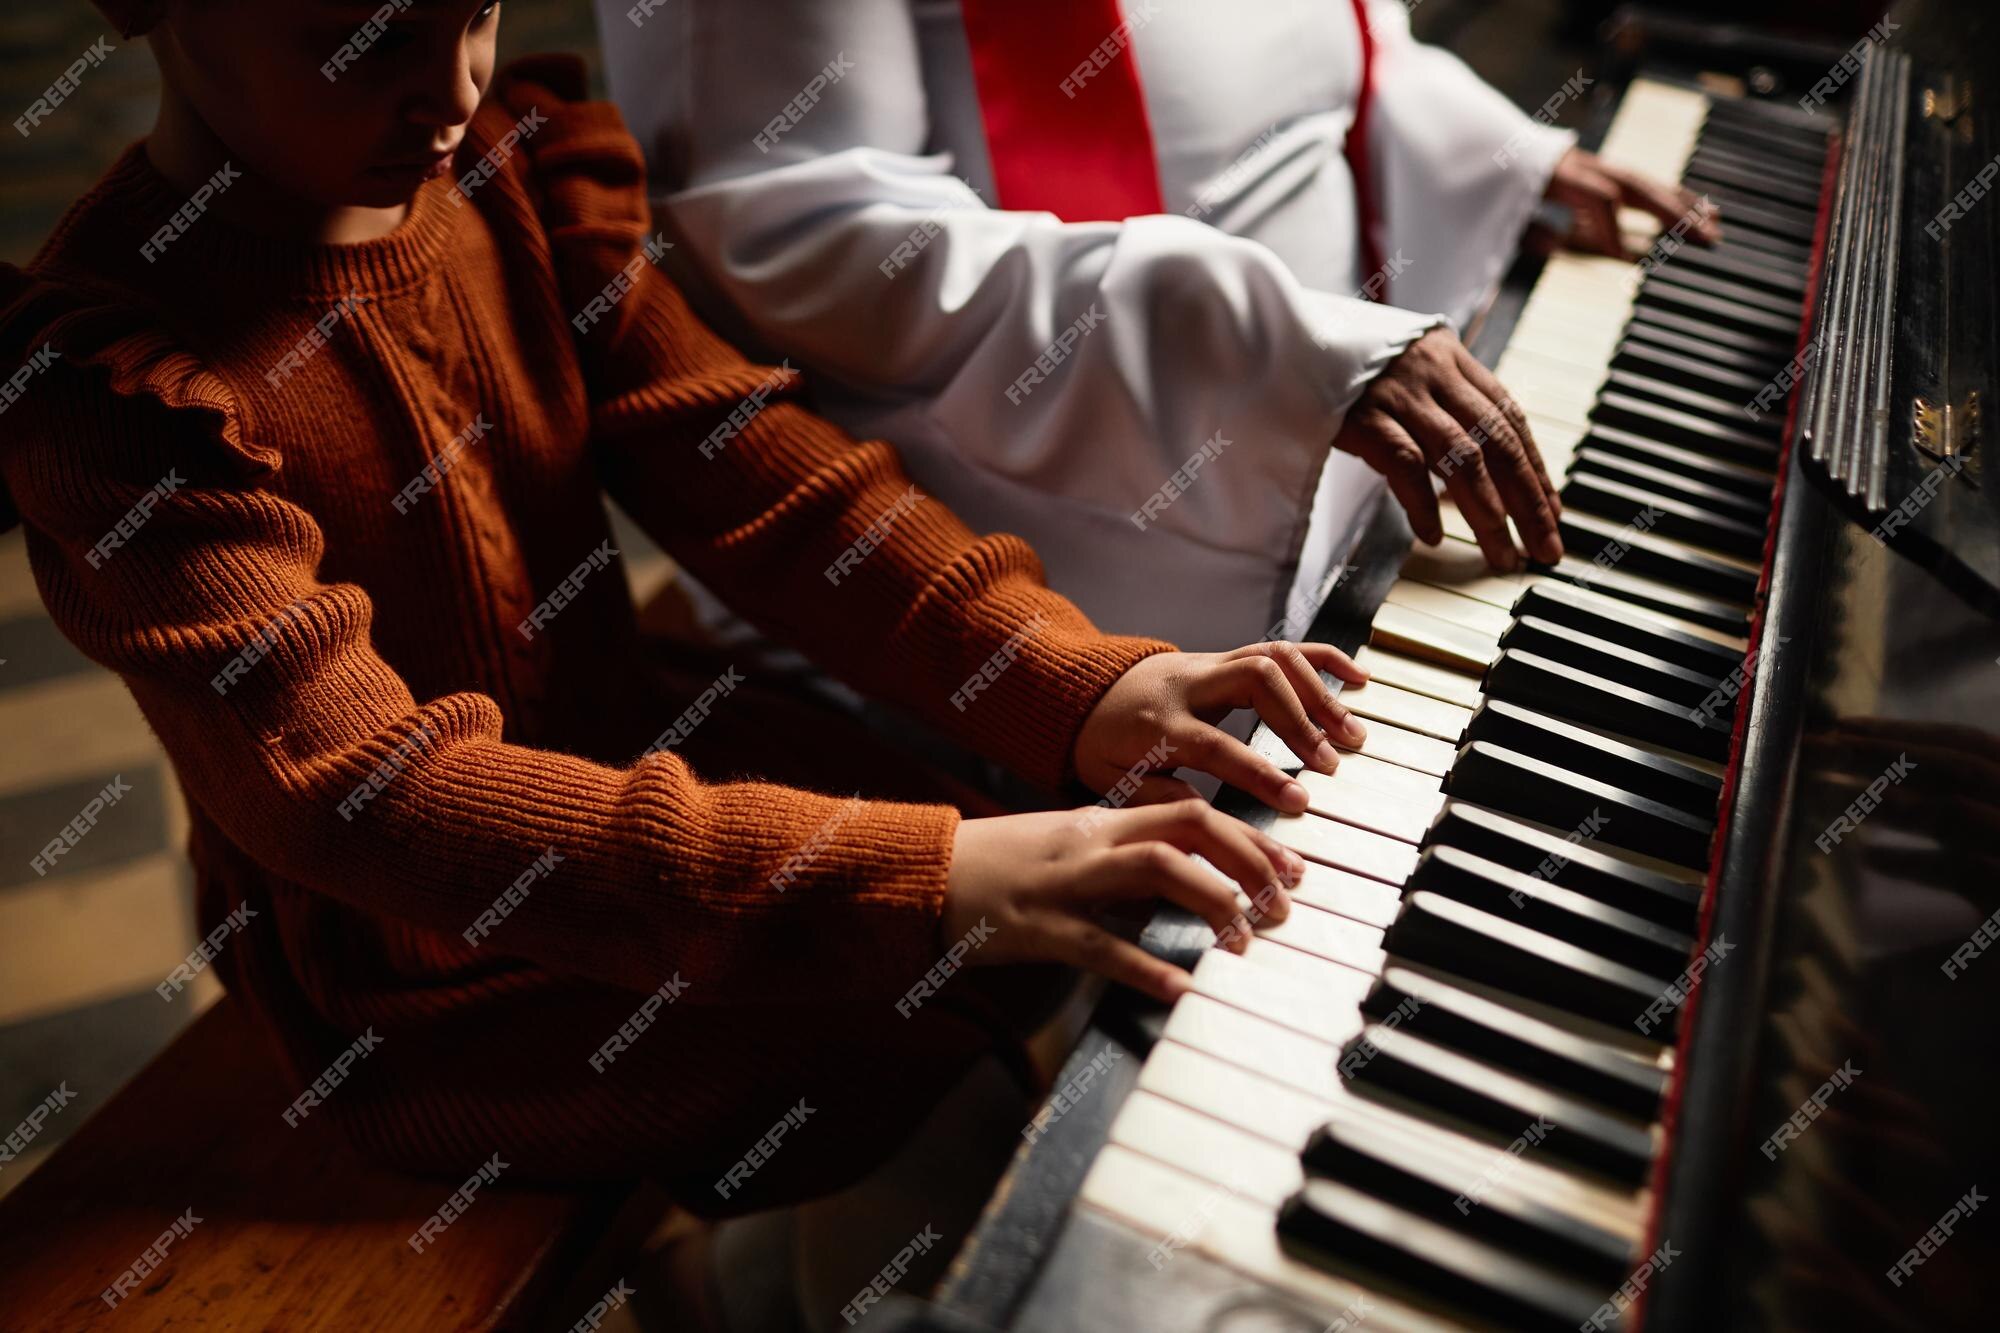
(1638, 978)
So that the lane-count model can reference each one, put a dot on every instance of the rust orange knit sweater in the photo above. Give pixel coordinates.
(379, 732)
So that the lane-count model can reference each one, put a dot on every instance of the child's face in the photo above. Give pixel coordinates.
(341, 103)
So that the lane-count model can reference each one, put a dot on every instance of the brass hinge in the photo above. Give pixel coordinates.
(1944, 431)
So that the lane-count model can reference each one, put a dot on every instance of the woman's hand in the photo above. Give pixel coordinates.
(1160, 716)
(1435, 409)
(1594, 190)
(1038, 882)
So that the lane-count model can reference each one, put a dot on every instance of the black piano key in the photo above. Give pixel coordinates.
(1755, 511)
(1789, 308)
(1502, 1035)
(1665, 513)
(1657, 421)
(1343, 1230)
(1742, 208)
(1662, 558)
(1729, 412)
(1801, 155)
(1759, 185)
(1662, 294)
(1459, 1086)
(1574, 865)
(1652, 594)
(1564, 914)
(1769, 351)
(1660, 363)
(1752, 362)
(1754, 484)
(1578, 750)
(1749, 267)
(1761, 166)
(1619, 661)
(1464, 941)
(1572, 693)
(1517, 784)
(1606, 618)
(1364, 1157)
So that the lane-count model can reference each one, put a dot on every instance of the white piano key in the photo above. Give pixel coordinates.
(1322, 975)
(1344, 893)
(1419, 677)
(1392, 744)
(1277, 995)
(1235, 1037)
(1404, 816)
(1232, 1094)
(1345, 847)
(1157, 1201)
(1449, 606)
(1368, 771)
(1337, 939)
(1253, 1168)
(1428, 637)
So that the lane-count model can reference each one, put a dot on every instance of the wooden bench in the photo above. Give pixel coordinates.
(295, 1230)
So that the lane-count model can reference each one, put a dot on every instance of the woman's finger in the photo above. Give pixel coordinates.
(1211, 750)
(1260, 682)
(1080, 943)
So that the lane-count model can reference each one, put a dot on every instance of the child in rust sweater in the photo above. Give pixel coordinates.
(327, 379)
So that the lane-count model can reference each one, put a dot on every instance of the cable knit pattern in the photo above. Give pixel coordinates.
(397, 665)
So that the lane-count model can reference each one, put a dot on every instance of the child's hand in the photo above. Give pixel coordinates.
(1158, 717)
(1037, 881)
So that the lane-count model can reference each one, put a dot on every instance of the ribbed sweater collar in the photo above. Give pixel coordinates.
(384, 266)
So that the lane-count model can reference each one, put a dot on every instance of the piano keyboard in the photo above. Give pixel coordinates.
(1428, 1086)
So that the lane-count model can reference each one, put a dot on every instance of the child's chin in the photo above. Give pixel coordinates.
(384, 190)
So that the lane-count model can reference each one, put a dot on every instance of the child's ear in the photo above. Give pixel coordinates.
(132, 18)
